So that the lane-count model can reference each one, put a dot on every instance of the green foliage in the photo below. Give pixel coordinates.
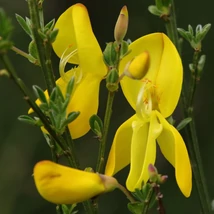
(162, 8)
(55, 108)
(47, 33)
(25, 24)
(136, 208)
(5, 32)
(146, 199)
(29, 120)
(196, 38)
(69, 209)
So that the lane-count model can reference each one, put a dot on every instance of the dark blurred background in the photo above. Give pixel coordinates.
(21, 145)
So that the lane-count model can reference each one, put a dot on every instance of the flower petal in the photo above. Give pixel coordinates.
(80, 36)
(165, 71)
(173, 148)
(85, 99)
(119, 155)
(143, 151)
(153, 44)
(63, 185)
(169, 78)
(66, 37)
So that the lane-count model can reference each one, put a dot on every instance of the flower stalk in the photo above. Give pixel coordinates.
(126, 193)
(187, 106)
(43, 47)
(108, 112)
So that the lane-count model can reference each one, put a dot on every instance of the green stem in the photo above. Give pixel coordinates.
(101, 155)
(193, 80)
(147, 201)
(43, 47)
(171, 27)
(192, 140)
(22, 53)
(27, 96)
(70, 146)
(126, 192)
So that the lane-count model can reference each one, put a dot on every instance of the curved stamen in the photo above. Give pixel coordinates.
(64, 60)
(144, 102)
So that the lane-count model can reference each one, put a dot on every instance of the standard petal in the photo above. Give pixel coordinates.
(143, 151)
(173, 148)
(153, 44)
(89, 52)
(119, 155)
(63, 185)
(75, 31)
(169, 78)
(66, 37)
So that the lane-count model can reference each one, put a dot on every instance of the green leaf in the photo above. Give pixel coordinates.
(190, 29)
(205, 30)
(50, 25)
(40, 94)
(53, 35)
(198, 29)
(65, 209)
(200, 66)
(6, 26)
(29, 120)
(183, 123)
(146, 189)
(96, 125)
(28, 22)
(44, 107)
(136, 208)
(53, 95)
(70, 118)
(59, 94)
(42, 35)
(154, 10)
(70, 87)
(170, 120)
(185, 34)
(53, 107)
(23, 24)
(32, 49)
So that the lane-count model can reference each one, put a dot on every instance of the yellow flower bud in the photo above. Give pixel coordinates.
(63, 185)
(139, 66)
(121, 25)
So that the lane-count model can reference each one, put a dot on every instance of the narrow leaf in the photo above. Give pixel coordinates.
(29, 120)
(23, 24)
(183, 123)
(40, 94)
(53, 35)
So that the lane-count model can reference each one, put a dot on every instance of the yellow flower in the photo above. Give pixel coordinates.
(153, 98)
(77, 44)
(63, 185)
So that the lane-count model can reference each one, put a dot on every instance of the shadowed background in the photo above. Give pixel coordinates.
(21, 145)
